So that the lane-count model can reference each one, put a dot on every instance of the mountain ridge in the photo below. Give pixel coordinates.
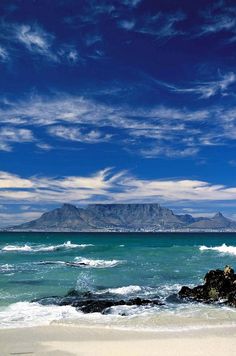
(143, 217)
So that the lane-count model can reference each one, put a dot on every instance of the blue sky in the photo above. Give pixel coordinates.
(117, 101)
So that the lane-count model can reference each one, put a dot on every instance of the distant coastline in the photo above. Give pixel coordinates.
(135, 233)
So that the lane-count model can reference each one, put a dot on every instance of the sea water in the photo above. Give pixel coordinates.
(36, 265)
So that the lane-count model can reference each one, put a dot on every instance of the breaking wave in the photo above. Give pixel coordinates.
(82, 262)
(121, 290)
(97, 263)
(24, 314)
(222, 249)
(51, 248)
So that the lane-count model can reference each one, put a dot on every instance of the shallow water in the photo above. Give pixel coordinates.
(34, 265)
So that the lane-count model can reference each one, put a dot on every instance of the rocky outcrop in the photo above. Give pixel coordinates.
(93, 303)
(219, 286)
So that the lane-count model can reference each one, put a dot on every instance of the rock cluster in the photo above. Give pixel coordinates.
(92, 303)
(219, 286)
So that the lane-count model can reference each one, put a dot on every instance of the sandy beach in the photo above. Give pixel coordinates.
(72, 340)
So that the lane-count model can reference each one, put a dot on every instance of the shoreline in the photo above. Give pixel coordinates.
(68, 340)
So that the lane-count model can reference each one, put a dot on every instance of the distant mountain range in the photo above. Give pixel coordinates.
(123, 218)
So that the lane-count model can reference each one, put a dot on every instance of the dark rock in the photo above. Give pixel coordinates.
(88, 302)
(219, 286)
(100, 306)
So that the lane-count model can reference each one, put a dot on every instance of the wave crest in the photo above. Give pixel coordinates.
(222, 249)
(125, 290)
(40, 248)
(97, 263)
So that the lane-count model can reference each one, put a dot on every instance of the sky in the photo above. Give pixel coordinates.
(117, 101)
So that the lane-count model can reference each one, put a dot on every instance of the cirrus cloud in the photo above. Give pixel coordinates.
(107, 186)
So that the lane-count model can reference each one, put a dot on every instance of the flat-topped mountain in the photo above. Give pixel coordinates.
(123, 217)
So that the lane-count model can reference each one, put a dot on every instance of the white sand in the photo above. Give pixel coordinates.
(72, 340)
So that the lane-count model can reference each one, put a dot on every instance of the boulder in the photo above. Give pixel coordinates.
(219, 286)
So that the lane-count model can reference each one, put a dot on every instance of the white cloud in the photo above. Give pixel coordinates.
(131, 3)
(208, 89)
(37, 41)
(204, 89)
(161, 25)
(73, 56)
(43, 111)
(68, 54)
(9, 135)
(76, 134)
(160, 130)
(105, 186)
(4, 56)
(127, 24)
(5, 147)
(47, 189)
(169, 152)
(219, 17)
(218, 24)
(93, 38)
(44, 146)
(150, 125)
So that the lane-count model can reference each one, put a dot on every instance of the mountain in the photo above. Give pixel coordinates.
(122, 217)
(219, 221)
(66, 217)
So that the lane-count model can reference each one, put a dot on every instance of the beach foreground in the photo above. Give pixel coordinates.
(73, 340)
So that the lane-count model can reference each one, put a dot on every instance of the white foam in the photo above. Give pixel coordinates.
(6, 268)
(222, 249)
(97, 263)
(11, 248)
(24, 314)
(125, 290)
(40, 248)
(85, 245)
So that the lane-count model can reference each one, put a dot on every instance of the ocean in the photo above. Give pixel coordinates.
(34, 265)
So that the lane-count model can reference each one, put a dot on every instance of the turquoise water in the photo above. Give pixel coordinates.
(126, 264)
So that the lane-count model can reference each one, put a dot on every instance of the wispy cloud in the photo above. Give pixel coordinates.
(217, 24)
(37, 41)
(4, 56)
(149, 131)
(92, 38)
(127, 24)
(49, 189)
(107, 186)
(169, 152)
(161, 25)
(223, 86)
(43, 146)
(132, 3)
(219, 17)
(78, 135)
(92, 12)
(208, 89)
(10, 135)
